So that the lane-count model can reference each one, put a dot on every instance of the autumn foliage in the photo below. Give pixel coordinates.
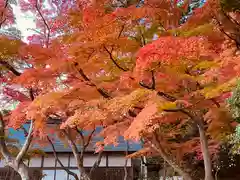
(134, 69)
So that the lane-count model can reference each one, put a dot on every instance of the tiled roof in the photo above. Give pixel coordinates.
(122, 146)
(61, 147)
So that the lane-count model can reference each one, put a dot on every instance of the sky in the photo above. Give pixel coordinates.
(25, 21)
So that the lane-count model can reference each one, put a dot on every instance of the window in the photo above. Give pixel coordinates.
(48, 174)
(61, 175)
(76, 171)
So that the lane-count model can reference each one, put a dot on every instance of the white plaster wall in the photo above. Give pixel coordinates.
(1, 163)
(88, 161)
(35, 162)
(118, 161)
(49, 161)
(64, 159)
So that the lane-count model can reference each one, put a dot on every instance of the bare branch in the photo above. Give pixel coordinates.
(224, 32)
(143, 40)
(58, 160)
(125, 165)
(45, 23)
(89, 139)
(10, 67)
(121, 30)
(26, 144)
(97, 162)
(79, 160)
(230, 18)
(81, 135)
(156, 145)
(31, 94)
(153, 80)
(113, 60)
(74, 149)
(82, 143)
(24, 131)
(84, 76)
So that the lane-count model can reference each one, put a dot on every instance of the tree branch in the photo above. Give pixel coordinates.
(78, 159)
(3, 147)
(89, 139)
(125, 165)
(229, 36)
(81, 135)
(120, 33)
(10, 68)
(31, 94)
(24, 131)
(26, 144)
(84, 76)
(82, 143)
(153, 80)
(97, 163)
(45, 23)
(143, 40)
(74, 149)
(113, 60)
(230, 18)
(58, 160)
(156, 145)
(2, 14)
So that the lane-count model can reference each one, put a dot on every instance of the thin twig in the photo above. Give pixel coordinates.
(45, 23)
(121, 30)
(89, 139)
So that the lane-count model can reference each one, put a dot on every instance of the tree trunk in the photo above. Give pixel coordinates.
(125, 165)
(164, 171)
(144, 172)
(23, 170)
(96, 164)
(163, 154)
(84, 175)
(205, 152)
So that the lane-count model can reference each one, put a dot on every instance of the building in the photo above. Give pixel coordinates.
(45, 167)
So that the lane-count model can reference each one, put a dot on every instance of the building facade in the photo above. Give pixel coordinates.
(45, 167)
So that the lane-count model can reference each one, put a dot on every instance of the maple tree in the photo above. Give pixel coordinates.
(12, 64)
(99, 65)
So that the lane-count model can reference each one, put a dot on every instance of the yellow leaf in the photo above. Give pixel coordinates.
(205, 65)
(214, 92)
(167, 106)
